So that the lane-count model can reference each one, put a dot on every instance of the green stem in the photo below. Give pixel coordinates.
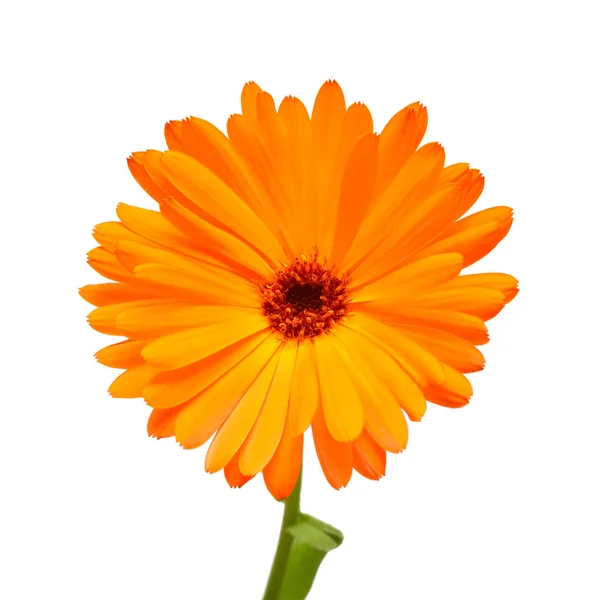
(284, 545)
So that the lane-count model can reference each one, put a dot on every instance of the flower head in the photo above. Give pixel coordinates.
(300, 272)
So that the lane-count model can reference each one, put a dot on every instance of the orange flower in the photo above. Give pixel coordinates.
(301, 271)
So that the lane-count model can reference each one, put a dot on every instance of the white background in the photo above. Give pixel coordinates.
(496, 500)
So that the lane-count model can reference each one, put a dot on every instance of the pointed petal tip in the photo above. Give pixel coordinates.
(331, 84)
(135, 157)
(209, 469)
(416, 107)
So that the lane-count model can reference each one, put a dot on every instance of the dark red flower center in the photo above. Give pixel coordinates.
(305, 299)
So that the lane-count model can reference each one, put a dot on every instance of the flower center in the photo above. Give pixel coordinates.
(304, 296)
(305, 299)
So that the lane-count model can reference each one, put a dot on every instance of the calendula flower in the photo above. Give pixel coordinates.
(299, 272)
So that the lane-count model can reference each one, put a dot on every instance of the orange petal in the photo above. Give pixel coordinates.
(213, 197)
(421, 365)
(239, 423)
(369, 457)
(266, 151)
(484, 303)
(153, 226)
(304, 396)
(406, 390)
(457, 383)
(336, 458)
(123, 355)
(376, 377)
(474, 236)
(131, 382)
(442, 397)
(234, 477)
(104, 318)
(203, 415)
(150, 161)
(131, 254)
(297, 124)
(408, 395)
(206, 284)
(379, 429)
(161, 423)
(276, 169)
(171, 388)
(214, 241)
(416, 277)
(414, 182)
(473, 188)
(204, 142)
(264, 437)
(147, 321)
(501, 282)
(485, 246)
(455, 172)
(429, 216)
(454, 392)
(469, 327)
(102, 294)
(137, 168)
(326, 121)
(399, 140)
(357, 122)
(110, 233)
(281, 474)
(460, 241)
(342, 407)
(106, 263)
(355, 196)
(449, 348)
(185, 347)
(174, 135)
(249, 94)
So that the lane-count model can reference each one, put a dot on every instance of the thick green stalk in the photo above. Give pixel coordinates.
(291, 513)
